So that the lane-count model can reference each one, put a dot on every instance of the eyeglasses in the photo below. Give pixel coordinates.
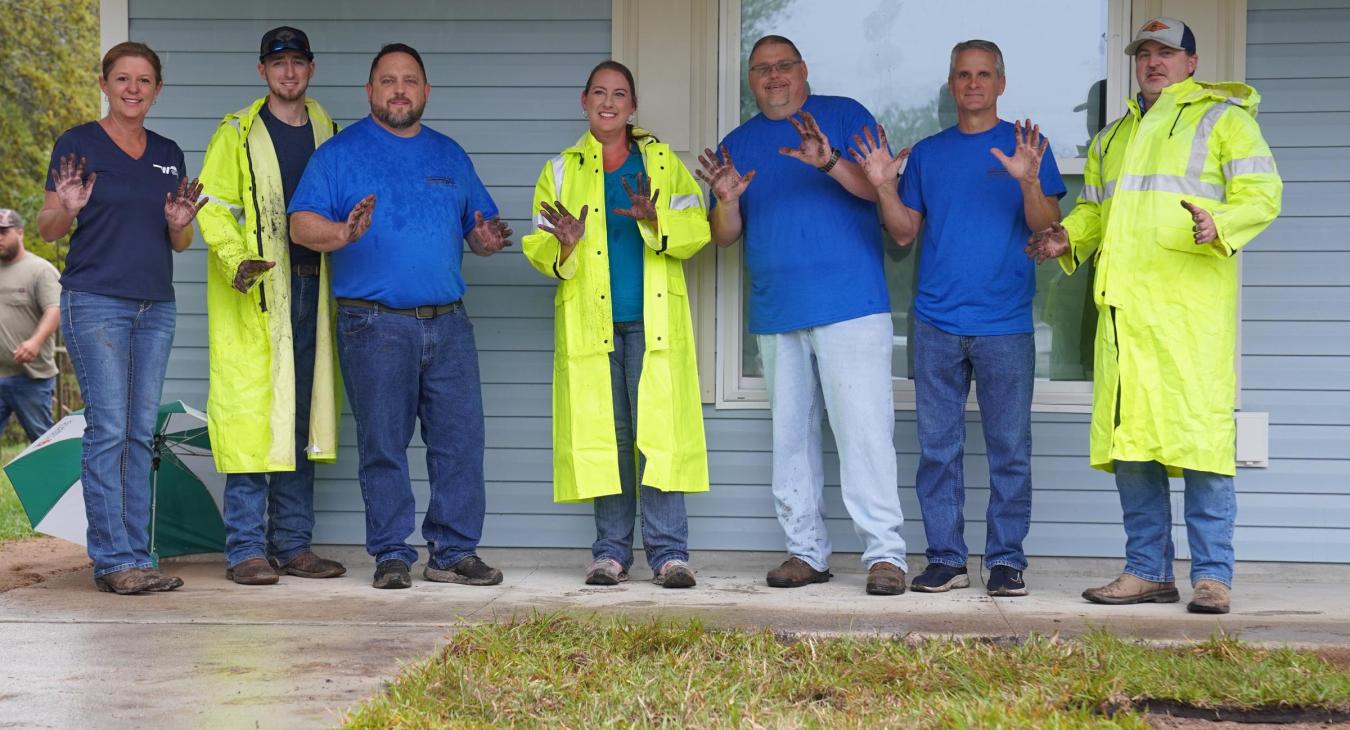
(782, 67)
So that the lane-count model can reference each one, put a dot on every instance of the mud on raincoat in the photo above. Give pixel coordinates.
(670, 412)
(251, 406)
(1164, 384)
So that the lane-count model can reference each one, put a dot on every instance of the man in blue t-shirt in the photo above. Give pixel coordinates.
(977, 190)
(391, 200)
(820, 307)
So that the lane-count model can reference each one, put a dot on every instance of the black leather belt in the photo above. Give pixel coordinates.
(426, 311)
(305, 270)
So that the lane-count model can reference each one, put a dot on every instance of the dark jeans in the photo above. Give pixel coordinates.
(400, 369)
(120, 350)
(273, 513)
(30, 400)
(1004, 367)
(665, 525)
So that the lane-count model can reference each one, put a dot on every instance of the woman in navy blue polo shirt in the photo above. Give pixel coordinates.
(126, 191)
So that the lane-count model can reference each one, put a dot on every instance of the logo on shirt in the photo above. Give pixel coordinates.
(166, 169)
(441, 180)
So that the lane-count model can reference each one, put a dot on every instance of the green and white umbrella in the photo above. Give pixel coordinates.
(187, 495)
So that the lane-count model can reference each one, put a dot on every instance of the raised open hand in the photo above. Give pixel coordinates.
(642, 200)
(358, 220)
(815, 148)
(71, 187)
(564, 226)
(1025, 164)
(181, 206)
(248, 271)
(1050, 243)
(491, 234)
(721, 176)
(1205, 230)
(875, 159)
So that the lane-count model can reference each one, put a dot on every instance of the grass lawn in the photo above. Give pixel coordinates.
(13, 520)
(559, 671)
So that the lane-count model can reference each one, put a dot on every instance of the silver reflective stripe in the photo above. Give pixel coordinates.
(1200, 144)
(558, 163)
(1093, 193)
(539, 220)
(683, 202)
(1248, 166)
(235, 210)
(1172, 184)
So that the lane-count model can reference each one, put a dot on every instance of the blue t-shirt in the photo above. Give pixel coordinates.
(294, 146)
(426, 192)
(813, 248)
(625, 242)
(974, 276)
(121, 247)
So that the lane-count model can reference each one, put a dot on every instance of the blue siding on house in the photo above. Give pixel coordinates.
(506, 78)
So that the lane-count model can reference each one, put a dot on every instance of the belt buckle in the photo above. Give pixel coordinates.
(426, 311)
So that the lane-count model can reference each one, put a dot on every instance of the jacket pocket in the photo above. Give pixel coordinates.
(1181, 239)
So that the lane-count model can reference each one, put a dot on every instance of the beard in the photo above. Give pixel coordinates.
(284, 95)
(397, 120)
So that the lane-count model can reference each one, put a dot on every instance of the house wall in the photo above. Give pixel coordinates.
(506, 78)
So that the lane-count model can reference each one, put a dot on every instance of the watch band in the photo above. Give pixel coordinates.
(834, 157)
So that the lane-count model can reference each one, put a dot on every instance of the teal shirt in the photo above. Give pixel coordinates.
(625, 242)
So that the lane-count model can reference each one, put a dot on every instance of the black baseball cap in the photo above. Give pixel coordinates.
(284, 38)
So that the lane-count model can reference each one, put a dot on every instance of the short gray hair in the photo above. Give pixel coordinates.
(977, 45)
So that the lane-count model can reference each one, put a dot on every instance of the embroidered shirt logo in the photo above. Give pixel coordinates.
(1154, 27)
(166, 169)
(440, 180)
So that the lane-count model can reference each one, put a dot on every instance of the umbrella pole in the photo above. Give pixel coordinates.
(154, 495)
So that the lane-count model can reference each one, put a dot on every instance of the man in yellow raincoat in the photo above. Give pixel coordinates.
(273, 405)
(1171, 192)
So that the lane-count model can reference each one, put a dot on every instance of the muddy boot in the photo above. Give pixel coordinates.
(1131, 589)
(795, 573)
(309, 565)
(1211, 596)
(124, 582)
(253, 572)
(160, 582)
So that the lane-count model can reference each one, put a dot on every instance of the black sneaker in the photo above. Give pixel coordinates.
(469, 571)
(392, 574)
(939, 578)
(1005, 581)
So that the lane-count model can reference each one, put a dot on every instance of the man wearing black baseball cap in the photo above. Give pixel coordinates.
(273, 402)
(1171, 192)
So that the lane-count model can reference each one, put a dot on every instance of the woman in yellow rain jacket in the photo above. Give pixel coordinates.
(617, 215)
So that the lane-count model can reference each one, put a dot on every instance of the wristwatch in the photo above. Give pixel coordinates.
(834, 157)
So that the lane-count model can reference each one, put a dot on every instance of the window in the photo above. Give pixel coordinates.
(893, 57)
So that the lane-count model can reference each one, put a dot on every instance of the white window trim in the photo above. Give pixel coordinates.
(735, 391)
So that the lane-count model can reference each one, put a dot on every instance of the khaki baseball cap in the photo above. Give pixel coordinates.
(1168, 31)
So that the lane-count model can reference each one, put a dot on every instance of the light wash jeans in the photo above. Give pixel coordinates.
(1211, 509)
(120, 350)
(1005, 368)
(665, 524)
(844, 368)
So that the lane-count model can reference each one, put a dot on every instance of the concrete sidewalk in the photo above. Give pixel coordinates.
(299, 653)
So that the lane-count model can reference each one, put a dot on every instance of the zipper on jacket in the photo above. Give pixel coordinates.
(1180, 109)
(257, 224)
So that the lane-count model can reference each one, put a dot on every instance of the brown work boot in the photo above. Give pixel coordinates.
(885, 579)
(253, 572)
(1211, 596)
(309, 565)
(795, 573)
(1132, 589)
(124, 582)
(160, 582)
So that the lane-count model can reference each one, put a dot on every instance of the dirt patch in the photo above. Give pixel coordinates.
(1336, 656)
(35, 559)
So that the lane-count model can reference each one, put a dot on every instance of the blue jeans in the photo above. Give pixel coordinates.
(120, 350)
(1004, 366)
(665, 525)
(30, 400)
(273, 513)
(1211, 509)
(399, 369)
(844, 367)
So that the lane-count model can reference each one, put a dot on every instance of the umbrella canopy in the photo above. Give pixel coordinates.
(188, 492)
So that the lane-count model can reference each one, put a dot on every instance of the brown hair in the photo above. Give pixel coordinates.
(133, 49)
(612, 65)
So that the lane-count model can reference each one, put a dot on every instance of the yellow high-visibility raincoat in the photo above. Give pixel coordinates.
(1164, 383)
(251, 407)
(670, 412)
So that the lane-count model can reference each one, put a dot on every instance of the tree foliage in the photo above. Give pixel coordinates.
(49, 52)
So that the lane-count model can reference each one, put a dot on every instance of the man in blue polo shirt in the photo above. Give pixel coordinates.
(391, 200)
(819, 304)
(977, 190)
